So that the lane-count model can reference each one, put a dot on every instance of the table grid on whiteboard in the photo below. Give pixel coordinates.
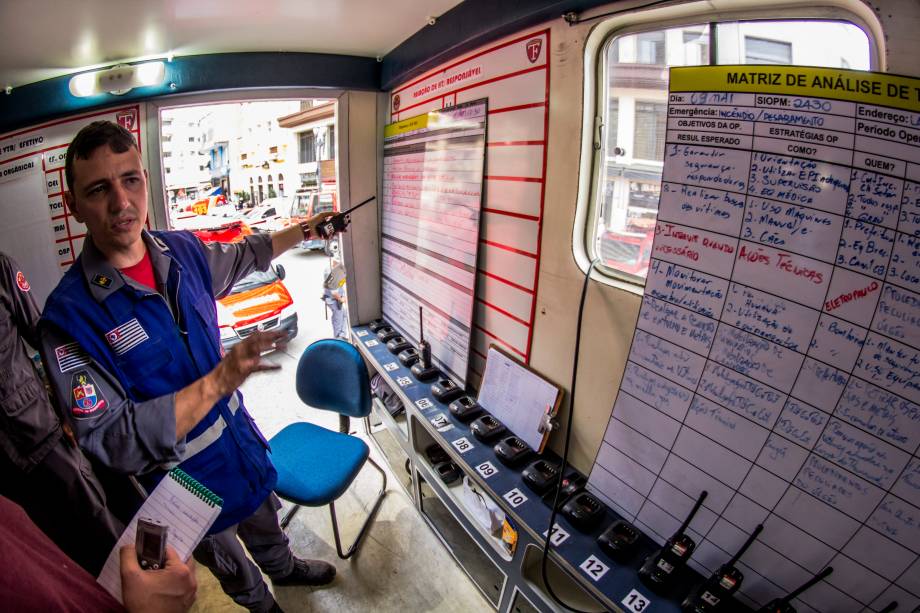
(776, 359)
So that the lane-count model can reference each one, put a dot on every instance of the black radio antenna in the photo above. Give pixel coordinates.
(696, 507)
(747, 544)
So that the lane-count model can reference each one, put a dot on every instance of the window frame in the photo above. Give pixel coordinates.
(595, 77)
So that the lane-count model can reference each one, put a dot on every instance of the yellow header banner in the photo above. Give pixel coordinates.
(835, 83)
(407, 125)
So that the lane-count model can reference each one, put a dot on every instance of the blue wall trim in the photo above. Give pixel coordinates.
(39, 102)
(467, 26)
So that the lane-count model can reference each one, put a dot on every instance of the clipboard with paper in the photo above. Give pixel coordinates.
(520, 398)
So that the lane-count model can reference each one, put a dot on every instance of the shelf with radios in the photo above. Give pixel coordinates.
(488, 493)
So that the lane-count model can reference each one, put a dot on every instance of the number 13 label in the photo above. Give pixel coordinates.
(634, 601)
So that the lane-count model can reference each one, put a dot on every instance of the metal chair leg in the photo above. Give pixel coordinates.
(289, 516)
(367, 521)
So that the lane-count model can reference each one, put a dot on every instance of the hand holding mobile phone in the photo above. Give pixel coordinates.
(150, 543)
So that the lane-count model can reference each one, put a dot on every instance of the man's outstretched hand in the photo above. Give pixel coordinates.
(244, 359)
(194, 401)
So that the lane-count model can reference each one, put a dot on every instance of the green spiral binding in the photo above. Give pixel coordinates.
(191, 484)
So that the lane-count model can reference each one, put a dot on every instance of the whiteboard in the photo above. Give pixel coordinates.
(432, 199)
(776, 358)
(38, 230)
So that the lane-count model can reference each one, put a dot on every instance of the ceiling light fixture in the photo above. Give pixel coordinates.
(118, 80)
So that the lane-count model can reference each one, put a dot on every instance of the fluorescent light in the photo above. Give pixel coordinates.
(118, 79)
(83, 85)
(150, 73)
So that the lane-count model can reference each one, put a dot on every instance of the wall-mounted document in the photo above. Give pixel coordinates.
(776, 358)
(180, 502)
(432, 197)
(518, 397)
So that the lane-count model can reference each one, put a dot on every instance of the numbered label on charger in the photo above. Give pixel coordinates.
(403, 381)
(515, 498)
(442, 423)
(361, 333)
(594, 567)
(634, 600)
(486, 469)
(559, 535)
(424, 403)
(390, 366)
(372, 343)
(462, 444)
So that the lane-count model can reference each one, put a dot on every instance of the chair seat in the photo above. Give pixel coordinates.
(315, 465)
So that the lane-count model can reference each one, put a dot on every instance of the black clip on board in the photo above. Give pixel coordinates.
(465, 409)
(398, 344)
(423, 370)
(663, 567)
(714, 593)
(512, 451)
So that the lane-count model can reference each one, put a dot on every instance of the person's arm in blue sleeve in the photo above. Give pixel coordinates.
(136, 437)
(230, 262)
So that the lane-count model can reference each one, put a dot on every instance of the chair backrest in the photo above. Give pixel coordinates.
(332, 376)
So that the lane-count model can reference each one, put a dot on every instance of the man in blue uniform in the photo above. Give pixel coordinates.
(131, 339)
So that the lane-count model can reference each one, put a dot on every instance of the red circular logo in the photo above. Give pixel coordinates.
(21, 281)
(396, 102)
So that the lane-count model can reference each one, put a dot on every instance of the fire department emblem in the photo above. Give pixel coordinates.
(86, 400)
(21, 281)
(127, 119)
(396, 102)
(533, 49)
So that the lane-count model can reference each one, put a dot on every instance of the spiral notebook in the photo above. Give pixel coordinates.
(179, 501)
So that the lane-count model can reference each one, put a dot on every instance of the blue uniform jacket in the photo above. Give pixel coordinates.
(153, 348)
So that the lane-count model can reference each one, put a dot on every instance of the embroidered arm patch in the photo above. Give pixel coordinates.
(85, 396)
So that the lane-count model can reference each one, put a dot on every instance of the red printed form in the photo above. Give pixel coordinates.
(776, 358)
(432, 197)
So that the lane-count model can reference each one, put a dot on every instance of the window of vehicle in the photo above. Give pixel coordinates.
(631, 108)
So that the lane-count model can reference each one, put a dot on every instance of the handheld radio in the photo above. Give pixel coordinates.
(715, 593)
(662, 567)
(423, 370)
(338, 222)
(781, 605)
(150, 543)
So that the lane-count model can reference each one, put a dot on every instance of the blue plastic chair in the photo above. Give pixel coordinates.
(316, 465)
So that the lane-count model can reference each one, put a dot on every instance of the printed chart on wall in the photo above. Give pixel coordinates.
(41, 234)
(776, 358)
(432, 196)
(513, 74)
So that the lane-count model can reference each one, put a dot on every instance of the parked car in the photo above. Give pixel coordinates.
(259, 301)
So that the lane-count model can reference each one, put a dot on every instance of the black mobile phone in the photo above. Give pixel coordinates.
(150, 543)
(339, 222)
